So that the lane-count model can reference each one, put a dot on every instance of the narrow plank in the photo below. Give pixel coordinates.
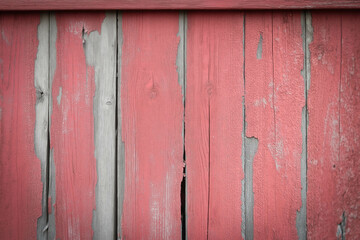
(152, 113)
(23, 124)
(349, 168)
(333, 209)
(82, 137)
(323, 130)
(214, 125)
(274, 102)
(178, 4)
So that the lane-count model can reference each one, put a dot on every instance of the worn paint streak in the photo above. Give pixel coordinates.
(120, 143)
(275, 81)
(42, 115)
(20, 173)
(52, 177)
(250, 147)
(214, 125)
(72, 124)
(259, 48)
(100, 52)
(152, 114)
(306, 39)
(333, 192)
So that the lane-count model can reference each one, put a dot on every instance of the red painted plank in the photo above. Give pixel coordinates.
(274, 100)
(152, 113)
(333, 179)
(214, 123)
(323, 129)
(72, 127)
(177, 4)
(349, 167)
(20, 177)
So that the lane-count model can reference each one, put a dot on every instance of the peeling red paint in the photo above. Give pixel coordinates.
(72, 127)
(274, 100)
(20, 177)
(334, 127)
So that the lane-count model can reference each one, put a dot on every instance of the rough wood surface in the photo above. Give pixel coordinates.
(23, 124)
(274, 101)
(333, 142)
(83, 126)
(152, 113)
(177, 4)
(214, 124)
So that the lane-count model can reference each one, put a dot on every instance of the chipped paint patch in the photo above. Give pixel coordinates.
(58, 98)
(259, 48)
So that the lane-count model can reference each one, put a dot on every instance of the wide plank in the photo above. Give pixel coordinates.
(151, 126)
(82, 133)
(23, 124)
(275, 98)
(214, 125)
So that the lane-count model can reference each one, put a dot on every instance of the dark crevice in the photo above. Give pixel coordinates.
(209, 168)
(183, 199)
(116, 131)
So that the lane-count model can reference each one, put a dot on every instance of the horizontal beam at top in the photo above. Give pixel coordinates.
(9, 5)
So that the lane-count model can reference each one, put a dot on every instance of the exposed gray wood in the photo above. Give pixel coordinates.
(120, 143)
(42, 115)
(100, 52)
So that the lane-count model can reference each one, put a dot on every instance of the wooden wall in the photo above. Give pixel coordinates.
(180, 125)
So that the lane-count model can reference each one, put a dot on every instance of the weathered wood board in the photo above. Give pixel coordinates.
(274, 98)
(214, 124)
(334, 127)
(82, 133)
(151, 125)
(23, 124)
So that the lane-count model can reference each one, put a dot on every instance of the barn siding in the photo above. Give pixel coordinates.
(99, 111)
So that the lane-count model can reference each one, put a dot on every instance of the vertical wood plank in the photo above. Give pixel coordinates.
(323, 129)
(83, 126)
(214, 123)
(333, 209)
(23, 124)
(349, 168)
(274, 103)
(259, 117)
(152, 113)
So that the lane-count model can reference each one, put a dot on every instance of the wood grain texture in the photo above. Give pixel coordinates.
(214, 123)
(83, 126)
(152, 113)
(333, 179)
(274, 100)
(23, 125)
(178, 4)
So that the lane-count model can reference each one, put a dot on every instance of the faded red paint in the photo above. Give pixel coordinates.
(152, 114)
(72, 127)
(20, 171)
(214, 122)
(274, 100)
(349, 168)
(334, 125)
